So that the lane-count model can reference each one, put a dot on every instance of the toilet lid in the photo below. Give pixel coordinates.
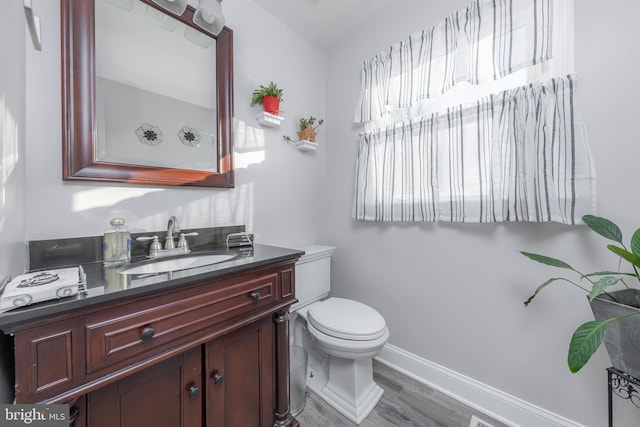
(346, 319)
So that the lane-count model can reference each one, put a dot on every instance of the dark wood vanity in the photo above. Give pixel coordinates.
(213, 351)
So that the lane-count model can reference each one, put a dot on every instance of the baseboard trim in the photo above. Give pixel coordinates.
(501, 406)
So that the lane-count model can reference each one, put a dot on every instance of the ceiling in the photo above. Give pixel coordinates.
(322, 22)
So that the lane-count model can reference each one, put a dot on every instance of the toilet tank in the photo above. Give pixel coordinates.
(313, 274)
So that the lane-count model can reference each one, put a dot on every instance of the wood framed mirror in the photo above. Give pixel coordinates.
(81, 131)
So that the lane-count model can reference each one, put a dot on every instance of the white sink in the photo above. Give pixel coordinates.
(182, 263)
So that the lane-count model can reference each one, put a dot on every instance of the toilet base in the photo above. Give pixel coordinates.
(348, 387)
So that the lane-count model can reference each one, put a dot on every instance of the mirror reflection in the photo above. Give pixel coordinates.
(155, 88)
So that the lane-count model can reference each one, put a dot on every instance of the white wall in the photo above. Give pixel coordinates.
(453, 293)
(279, 191)
(12, 139)
(12, 163)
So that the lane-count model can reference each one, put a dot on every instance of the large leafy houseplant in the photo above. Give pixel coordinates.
(587, 337)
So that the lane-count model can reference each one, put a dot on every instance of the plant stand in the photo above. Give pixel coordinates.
(625, 386)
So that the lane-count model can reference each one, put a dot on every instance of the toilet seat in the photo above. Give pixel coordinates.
(346, 319)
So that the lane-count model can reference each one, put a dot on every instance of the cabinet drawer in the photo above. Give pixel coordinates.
(134, 331)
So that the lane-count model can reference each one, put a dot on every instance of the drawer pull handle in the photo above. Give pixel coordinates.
(255, 296)
(147, 334)
(194, 392)
(73, 415)
(218, 379)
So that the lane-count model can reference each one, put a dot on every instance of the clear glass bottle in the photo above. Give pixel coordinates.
(116, 244)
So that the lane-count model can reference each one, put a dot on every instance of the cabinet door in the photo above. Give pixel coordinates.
(47, 362)
(165, 395)
(240, 377)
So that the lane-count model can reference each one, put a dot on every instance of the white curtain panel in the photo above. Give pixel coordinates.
(519, 155)
(485, 41)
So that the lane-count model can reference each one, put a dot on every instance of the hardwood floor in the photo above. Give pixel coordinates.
(406, 403)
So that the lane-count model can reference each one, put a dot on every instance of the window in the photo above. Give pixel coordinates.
(475, 120)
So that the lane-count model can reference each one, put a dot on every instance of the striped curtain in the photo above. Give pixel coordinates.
(485, 41)
(519, 155)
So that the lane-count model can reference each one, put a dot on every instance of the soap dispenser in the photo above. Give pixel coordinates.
(116, 245)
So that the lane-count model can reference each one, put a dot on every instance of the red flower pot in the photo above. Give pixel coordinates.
(271, 104)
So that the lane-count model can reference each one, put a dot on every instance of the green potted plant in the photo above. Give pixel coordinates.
(614, 310)
(307, 130)
(269, 96)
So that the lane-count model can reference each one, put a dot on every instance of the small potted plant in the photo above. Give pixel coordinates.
(614, 310)
(307, 130)
(269, 96)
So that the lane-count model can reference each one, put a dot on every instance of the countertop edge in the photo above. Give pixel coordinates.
(14, 320)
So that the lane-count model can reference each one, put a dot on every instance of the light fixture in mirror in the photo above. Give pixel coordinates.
(177, 7)
(209, 16)
(198, 38)
(160, 19)
(83, 107)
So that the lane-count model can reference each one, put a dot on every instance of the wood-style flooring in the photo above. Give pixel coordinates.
(405, 403)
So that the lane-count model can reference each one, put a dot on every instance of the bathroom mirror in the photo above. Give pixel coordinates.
(147, 96)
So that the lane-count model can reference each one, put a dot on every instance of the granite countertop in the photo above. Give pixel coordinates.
(106, 284)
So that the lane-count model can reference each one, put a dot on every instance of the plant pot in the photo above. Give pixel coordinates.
(307, 134)
(622, 339)
(271, 104)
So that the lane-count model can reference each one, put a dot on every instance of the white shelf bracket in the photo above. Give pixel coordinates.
(33, 22)
(269, 120)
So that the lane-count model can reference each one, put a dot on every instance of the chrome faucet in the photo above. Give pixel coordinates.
(171, 227)
(155, 249)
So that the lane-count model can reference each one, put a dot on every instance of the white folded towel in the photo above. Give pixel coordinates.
(30, 288)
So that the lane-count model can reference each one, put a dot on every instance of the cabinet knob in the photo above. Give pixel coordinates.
(255, 296)
(147, 334)
(218, 379)
(194, 392)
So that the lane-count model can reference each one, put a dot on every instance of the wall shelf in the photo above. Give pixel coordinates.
(269, 120)
(305, 145)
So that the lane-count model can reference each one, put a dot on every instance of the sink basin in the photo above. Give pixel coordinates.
(173, 264)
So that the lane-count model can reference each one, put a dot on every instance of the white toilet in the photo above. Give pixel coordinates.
(341, 337)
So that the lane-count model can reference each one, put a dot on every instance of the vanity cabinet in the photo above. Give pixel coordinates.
(210, 353)
(239, 377)
(167, 394)
(231, 376)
